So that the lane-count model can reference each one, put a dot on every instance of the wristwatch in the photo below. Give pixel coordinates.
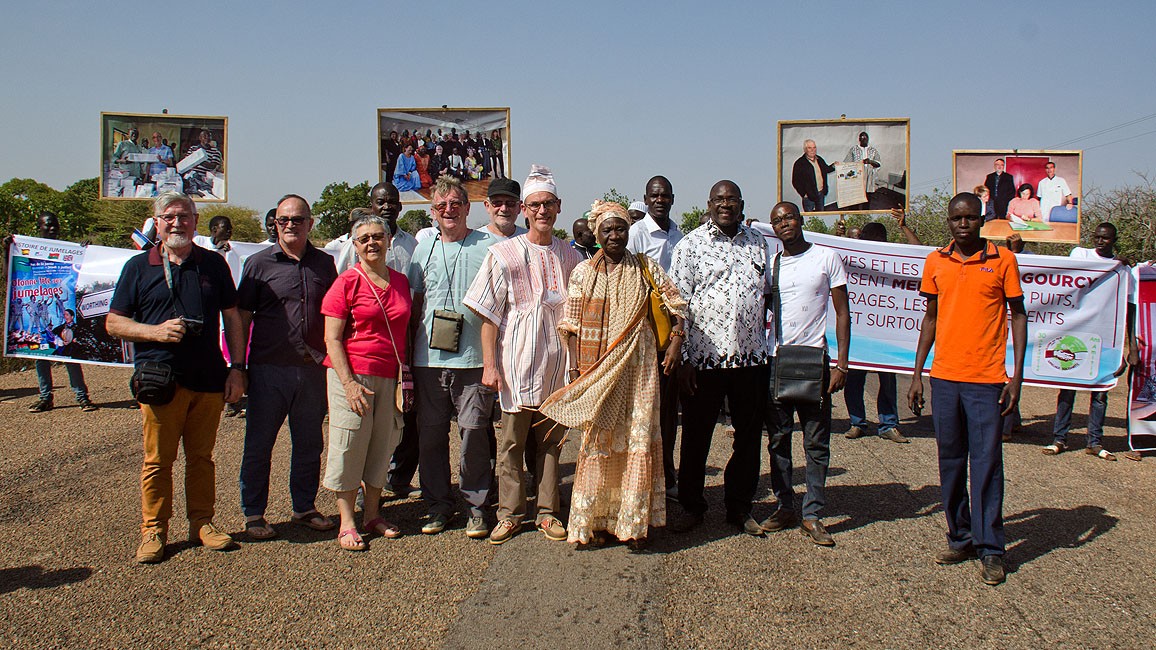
(238, 366)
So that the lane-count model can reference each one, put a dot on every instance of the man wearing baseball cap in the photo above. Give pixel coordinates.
(503, 203)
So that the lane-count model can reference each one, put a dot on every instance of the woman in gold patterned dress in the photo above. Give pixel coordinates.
(613, 396)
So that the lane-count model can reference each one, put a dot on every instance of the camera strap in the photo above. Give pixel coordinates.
(174, 297)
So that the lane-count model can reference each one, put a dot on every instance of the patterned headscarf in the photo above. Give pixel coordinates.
(603, 210)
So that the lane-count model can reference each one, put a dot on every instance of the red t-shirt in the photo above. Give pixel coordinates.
(366, 337)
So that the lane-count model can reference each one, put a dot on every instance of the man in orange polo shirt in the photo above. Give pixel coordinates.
(969, 285)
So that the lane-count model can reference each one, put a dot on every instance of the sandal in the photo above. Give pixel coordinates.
(382, 527)
(315, 520)
(1100, 452)
(259, 529)
(1055, 448)
(356, 543)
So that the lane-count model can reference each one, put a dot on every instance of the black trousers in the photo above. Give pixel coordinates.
(403, 465)
(745, 390)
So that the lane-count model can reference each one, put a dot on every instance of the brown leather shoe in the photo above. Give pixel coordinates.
(814, 529)
(854, 432)
(991, 570)
(780, 520)
(955, 556)
(152, 547)
(745, 523)
(213, 538)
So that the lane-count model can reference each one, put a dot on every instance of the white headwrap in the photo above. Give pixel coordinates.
(639, 206)
(541, 179)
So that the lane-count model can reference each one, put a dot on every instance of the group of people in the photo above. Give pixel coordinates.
(413, 161)
(195, 182)
(401, 337)
(809, 173)
(1050, 201)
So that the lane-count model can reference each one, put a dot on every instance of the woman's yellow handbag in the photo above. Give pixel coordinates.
(659, 314)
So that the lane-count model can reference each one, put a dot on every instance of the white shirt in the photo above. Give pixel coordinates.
(1091, 254)
(1052, 192)
(805, 283)
(426, 233)
(647, 237)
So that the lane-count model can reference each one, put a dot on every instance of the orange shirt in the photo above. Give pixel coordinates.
(971, 323)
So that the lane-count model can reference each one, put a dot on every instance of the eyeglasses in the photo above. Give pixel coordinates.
(537, 206)
(453, 205)
(173, 218)
(504, 203)
(375, 237)
(787, 217)
(285, 221)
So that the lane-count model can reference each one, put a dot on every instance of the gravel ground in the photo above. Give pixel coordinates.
(1079, 533)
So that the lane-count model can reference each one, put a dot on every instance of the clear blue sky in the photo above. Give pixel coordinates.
(606, 93)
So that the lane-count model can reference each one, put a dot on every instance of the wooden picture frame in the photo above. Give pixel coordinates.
(835, 139)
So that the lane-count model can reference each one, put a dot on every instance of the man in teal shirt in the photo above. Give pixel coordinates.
(448, 377)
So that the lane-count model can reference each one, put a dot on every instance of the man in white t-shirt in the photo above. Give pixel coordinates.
(807, 277)
(1052, 191)
(1105, 242)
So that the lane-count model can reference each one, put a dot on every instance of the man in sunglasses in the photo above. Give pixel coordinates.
(169, 301)
(280, 294)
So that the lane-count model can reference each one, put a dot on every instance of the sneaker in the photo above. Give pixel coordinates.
(213, 538)
(505, 530)
(41, 406)
(855, 432)
(152, 548)
(476, 528)
(86, 405)
(435, 523)
(893, 435)
(991, 570)
(552, 528)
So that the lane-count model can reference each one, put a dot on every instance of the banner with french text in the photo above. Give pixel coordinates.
(1142, 384)
(1076, 311)
(58, 296)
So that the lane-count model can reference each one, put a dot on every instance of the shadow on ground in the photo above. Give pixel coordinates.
(35, 577)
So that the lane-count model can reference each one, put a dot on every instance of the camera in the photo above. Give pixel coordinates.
(193, 326)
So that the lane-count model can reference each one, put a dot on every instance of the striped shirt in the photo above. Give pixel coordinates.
(522, 288)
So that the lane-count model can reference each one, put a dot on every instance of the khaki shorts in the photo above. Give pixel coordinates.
(361, 446)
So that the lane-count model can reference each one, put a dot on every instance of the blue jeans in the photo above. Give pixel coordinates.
(886, 403)
(75, 379)
(814, 206)
(815, 421)
(277, 392)
(1096, 411)
(968, 431)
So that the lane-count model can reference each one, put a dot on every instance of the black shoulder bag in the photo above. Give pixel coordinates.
(799, 369)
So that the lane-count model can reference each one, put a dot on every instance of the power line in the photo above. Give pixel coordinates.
(1131, 137)
(1102, 132)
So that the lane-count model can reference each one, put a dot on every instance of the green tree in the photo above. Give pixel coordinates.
(414, 220)
(1132, 210)
(332, 209)
(616, 197)
(816, 224)
(561, 233)
(247, 223)
(691, 219)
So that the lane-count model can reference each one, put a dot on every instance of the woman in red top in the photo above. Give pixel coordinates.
(366, 314)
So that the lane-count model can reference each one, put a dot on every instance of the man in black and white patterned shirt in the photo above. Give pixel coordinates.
(722, 269)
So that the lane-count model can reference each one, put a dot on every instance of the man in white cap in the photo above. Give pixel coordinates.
(637, 211)
(520, 293)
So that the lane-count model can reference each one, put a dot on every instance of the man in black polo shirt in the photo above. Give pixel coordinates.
(170, 301)
(280, 294)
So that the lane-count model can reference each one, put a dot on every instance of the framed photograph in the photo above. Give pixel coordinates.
(1035, 193)
(417, 145)
(845, 165)
(142, 155)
